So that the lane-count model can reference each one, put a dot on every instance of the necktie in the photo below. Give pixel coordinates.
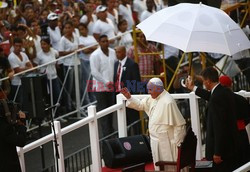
(118, 76)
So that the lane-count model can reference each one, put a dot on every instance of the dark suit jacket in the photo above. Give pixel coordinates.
(130, 77)
(222, 132)
(242, 105)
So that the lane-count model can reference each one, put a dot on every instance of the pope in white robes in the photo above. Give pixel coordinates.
(166, 123)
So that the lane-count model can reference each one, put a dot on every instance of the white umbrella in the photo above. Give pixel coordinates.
(195, 28)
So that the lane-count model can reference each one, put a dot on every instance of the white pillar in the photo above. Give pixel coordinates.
(121, 117)
(195, 122)
(94, 140)
(59, 147)
(77, 87)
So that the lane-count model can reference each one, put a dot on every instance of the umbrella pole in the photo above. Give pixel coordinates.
(190, 59)
(177, 68)
(225, 62)
(203, 60)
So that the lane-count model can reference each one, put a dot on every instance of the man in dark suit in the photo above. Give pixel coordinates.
(222, 133)
(126, 74)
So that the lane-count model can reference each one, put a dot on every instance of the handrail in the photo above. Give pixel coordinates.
(91, 120)
(244, 168)
(77, 124)
(108, 110)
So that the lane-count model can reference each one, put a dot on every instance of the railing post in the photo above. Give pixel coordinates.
(59, 146)
(195, 122)
(21, 158)
(94, 140)
(121, 117)
(77, 86)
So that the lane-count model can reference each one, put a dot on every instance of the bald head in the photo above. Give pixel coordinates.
(120, 52)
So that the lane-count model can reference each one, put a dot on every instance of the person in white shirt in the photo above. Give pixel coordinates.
(55, 36)
(46, 55)
(36, 30)
(139, 6)
(159, 5)
(89, 18)
(125, 12)
(76, 21)
(54, 31)
(166, 124)
(102, 68)
(68, 44)
(19, 62)
(104, 25)
(112, 13)
(150, 10)
(86, 40)
(125, 40)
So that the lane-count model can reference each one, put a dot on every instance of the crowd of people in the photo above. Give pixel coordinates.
(37, 32)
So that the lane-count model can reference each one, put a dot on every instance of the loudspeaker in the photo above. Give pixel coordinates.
(120, 152)
(34, 94)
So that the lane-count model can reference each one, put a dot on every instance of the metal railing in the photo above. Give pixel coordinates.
(91, 120)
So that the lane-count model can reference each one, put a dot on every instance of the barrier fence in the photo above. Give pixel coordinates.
(91, 121)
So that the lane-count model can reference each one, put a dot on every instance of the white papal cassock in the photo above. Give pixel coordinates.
(166, 125)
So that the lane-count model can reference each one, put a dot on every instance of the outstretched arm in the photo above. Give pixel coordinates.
(135, 103)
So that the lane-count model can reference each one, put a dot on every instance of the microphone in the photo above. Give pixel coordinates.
(53, 106)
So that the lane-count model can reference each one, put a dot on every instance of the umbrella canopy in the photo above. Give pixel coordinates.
(195, 28)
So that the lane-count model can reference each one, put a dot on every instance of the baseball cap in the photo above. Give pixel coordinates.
(52, 16)
(225, 81)
(100, 8)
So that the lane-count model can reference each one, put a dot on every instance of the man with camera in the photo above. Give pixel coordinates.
(12, 134)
